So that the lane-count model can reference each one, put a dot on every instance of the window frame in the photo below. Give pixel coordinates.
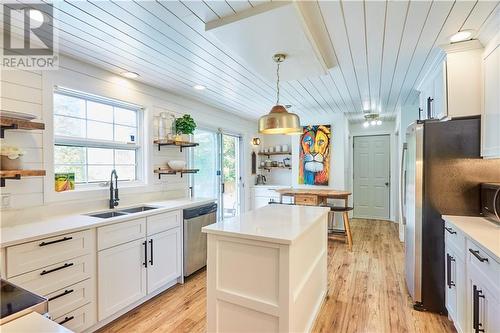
(61, 140)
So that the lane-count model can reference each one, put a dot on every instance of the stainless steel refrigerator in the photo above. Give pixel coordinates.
(442, 170)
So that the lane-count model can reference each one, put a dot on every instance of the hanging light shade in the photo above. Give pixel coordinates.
(279, 120)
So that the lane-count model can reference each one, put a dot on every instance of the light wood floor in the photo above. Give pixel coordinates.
(366, 293)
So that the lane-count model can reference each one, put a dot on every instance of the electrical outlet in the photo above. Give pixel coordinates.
(5, 200)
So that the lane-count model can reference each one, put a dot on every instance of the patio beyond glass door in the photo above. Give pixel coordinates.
(230, 175)
(218, 159)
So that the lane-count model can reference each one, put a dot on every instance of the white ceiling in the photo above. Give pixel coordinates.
(382, 49)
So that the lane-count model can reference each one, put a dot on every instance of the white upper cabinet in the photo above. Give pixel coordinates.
(491, 112)
(453, 88)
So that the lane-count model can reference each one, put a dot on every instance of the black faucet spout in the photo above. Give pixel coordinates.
(113, 191)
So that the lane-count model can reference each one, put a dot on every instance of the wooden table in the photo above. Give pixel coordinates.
(313, 197)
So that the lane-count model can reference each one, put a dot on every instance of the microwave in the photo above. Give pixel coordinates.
(490, 201)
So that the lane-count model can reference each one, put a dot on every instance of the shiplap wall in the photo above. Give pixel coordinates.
(32, 92)
(22, 91)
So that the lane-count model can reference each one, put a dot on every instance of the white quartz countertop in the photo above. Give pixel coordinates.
(70, 223)
(479, 229)
(273, 223)
(33, 322)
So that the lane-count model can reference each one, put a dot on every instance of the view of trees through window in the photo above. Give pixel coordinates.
(93, 138)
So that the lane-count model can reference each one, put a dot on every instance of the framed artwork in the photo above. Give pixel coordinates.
(314, 155)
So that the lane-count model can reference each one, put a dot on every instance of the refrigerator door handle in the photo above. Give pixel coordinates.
(402, 185)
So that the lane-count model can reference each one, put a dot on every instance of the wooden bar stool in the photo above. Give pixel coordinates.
(345, 218)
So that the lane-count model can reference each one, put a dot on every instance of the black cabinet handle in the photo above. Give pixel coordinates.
(145, 263)
(476, 254)
(476, 295)
(55, 241)
(450, 230)
(61, 294)
(56, 269)
(449, 281)
(151, 246)
(66, 319)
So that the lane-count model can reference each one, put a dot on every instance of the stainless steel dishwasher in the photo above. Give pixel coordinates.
(195, 242)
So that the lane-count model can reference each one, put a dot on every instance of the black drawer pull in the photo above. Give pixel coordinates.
(56, 269)
(151, 244)
(61, 294)
(66, 319)
(476, 295)
(450, 230)
(55, 241)
(145, 263)
(476, 254)
(449, 280)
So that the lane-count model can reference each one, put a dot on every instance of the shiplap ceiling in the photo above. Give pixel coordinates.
(382, 48)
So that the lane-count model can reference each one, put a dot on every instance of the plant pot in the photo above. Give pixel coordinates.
(10, 164)
(186, 137)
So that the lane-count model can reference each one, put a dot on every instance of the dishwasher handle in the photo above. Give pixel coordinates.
(191, 213)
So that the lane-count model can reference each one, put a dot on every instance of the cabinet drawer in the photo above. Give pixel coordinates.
(80, 319)
(307, 200)
(119, 233)
(162, 222)
(455, 239)
(49, 279)
(480, 262)
(70, 298)
(34, 255)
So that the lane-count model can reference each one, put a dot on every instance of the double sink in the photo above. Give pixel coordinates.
(121, 212)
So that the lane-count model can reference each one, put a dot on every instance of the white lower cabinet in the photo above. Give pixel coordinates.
(483, 305)
(455, 288)
(121, 276)
(130, 271)
(472, 286)
(164, 262)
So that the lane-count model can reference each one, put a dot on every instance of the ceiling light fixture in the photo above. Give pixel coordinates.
(199, 87)
(372, 119)
(130, 75)
(461, 36)
(279, 120)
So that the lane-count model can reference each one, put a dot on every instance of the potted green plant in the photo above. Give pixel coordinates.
(184, 127)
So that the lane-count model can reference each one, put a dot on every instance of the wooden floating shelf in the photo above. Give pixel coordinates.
(275, 167)
(8, 123)
(167, 171)
(276, 153)
(17, 174)
(180, 144)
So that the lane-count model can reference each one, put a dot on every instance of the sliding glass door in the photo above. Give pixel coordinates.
(230, 175)
(218, 158)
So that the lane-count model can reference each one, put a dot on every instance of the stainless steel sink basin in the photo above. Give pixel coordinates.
(107, 215)
(137, 209)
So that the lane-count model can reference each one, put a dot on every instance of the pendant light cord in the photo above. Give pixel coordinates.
(278, 84)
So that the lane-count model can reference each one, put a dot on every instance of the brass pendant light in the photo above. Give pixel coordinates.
(279, 120)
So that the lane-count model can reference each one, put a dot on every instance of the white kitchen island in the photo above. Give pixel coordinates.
(267, 270)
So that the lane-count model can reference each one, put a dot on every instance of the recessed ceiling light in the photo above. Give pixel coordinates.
(130, 75)
(379, 122)
(366, 124)
(36, 15)
(461, 36)
(199, 87)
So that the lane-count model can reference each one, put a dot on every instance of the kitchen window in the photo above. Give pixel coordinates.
(94, 135)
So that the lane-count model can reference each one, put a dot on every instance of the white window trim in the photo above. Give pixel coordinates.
(140, 181)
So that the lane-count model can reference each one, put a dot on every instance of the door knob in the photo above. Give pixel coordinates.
(387, 184)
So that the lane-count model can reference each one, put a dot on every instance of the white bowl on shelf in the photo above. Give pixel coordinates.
(177, 165)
